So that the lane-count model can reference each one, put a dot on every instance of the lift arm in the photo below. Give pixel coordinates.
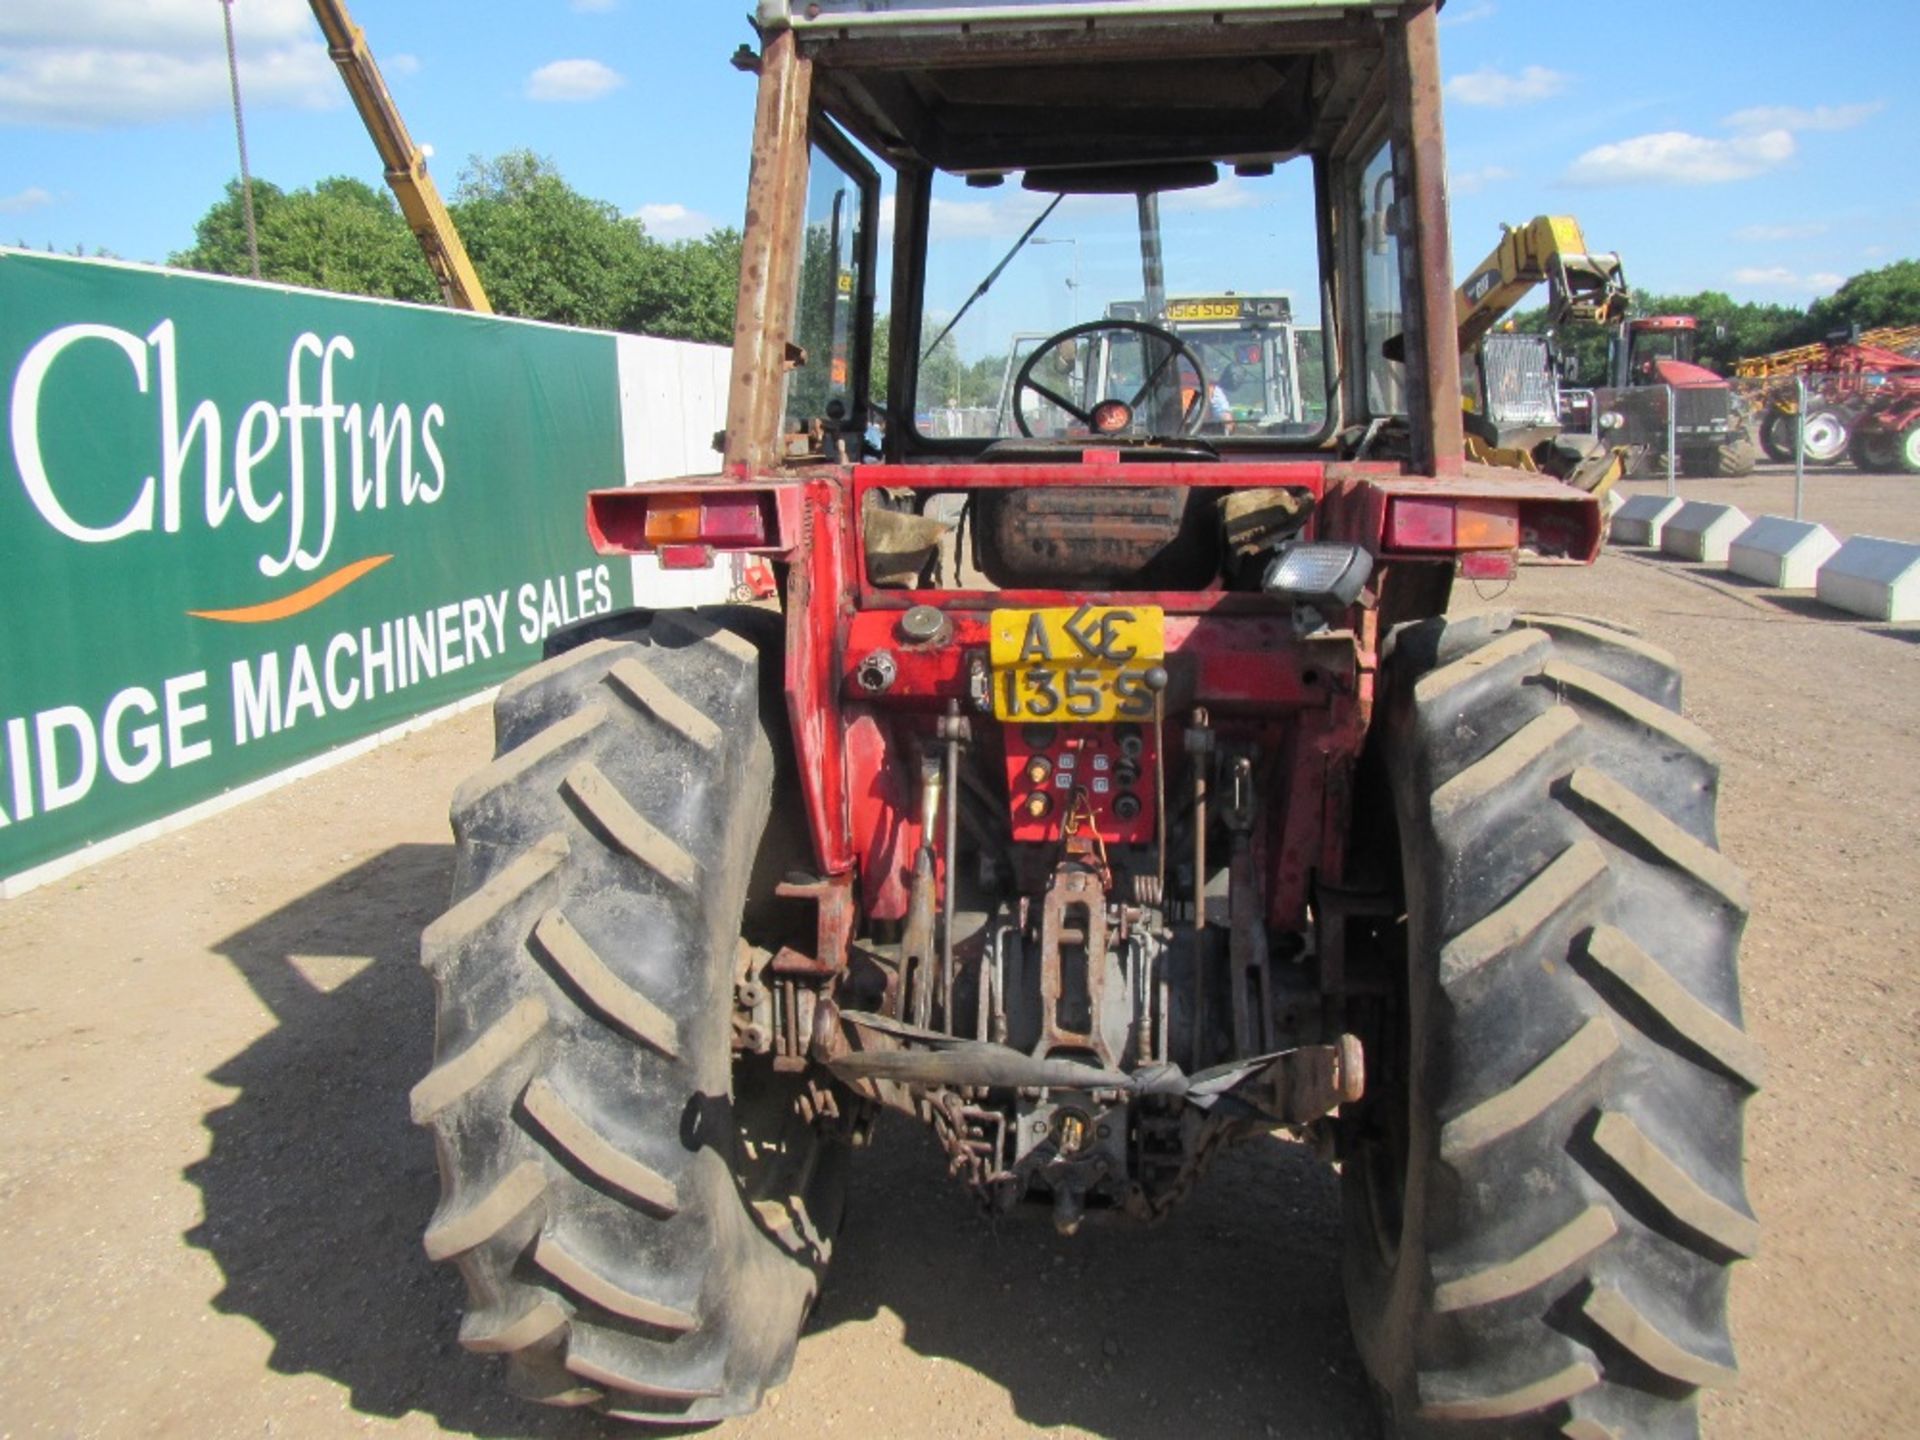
(1581, 286)
(406, 167)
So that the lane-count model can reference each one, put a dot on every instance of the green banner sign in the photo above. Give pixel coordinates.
(240, 525)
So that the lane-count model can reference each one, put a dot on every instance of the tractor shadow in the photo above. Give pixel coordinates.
(317, 1186)
(1227, 1320)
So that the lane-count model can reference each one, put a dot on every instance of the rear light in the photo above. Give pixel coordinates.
(1420, 524)
(685, 557)
(1488, 565)
(1486, 525)
(641, 522)
(733, 520)
(667, 524)
(1450, 524)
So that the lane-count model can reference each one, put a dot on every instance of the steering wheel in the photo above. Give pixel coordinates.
(1191, 414)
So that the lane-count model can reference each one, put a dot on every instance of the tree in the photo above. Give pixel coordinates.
(340, 235)
(688, 290)
(544, 250)
(1887, 296)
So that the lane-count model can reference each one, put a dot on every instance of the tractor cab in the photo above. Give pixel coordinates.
(1659, 350)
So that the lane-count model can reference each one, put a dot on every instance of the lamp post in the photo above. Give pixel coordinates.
(1074, 283)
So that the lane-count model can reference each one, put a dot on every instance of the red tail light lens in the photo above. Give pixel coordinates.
(733, 521)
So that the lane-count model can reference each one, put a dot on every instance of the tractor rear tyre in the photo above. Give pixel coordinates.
(1874, 451)
(1544, 1189)
(1778, 435)
(640, 1222)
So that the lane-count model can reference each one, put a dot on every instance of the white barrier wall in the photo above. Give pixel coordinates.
(673, 401)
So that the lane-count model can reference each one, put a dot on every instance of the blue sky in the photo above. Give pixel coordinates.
(1763, 148)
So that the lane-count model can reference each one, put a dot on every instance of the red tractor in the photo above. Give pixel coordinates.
(1712, 430)
(1100, 793)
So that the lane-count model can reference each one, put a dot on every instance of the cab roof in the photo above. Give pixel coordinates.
(987, 89)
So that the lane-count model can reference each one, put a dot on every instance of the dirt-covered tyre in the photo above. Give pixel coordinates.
(1544, 1189)
(640, 1221)
(1732, 460)
(1778, 435)
(1829, 431)
(1873, 451)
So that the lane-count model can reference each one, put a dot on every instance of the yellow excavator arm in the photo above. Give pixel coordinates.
(406, 166)
(1582, 286)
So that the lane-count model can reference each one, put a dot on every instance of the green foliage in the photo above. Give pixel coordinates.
(542, 249)
(1887, 296)
(341, 235)
(688, 289)
(948, 380)
(944, 377)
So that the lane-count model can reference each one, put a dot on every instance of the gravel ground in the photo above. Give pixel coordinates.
(214, 1199)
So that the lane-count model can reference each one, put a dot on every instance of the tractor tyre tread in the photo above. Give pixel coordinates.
(1575, 1159)
(581, 1096)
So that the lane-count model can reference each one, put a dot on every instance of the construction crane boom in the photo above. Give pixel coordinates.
(1582, 286)
(406, 166)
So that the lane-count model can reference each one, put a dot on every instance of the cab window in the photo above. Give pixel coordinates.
(1380, 284)
(834, 289)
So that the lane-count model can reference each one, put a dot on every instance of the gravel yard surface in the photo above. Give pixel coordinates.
(214, 1198)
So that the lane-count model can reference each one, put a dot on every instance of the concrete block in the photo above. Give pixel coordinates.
(1786, 554)
(1877, 578)
(1702, 530)
(1638, 521)
(1611, 502)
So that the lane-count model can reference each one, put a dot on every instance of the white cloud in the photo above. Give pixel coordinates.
(1472, 182)
(591, 7)
(971, 219)
(1793, 117)
(1674, 157)
(150, 24)
(1227, 193)
(1467, 14)
(573, 80)
(1780, 278)
(31, 198)
(90, 63)
(1766, 234)
(1496, 89)
(400, 64)
(674, 222)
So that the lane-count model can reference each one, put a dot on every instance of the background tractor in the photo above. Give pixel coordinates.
(1097, 799)
(1713, 429)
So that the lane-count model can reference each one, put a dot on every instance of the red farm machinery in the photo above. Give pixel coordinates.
(1862, 399)
(1106, 790)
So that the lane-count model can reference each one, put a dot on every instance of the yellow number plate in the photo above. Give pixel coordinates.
(1204, 310)
(1065, 665)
